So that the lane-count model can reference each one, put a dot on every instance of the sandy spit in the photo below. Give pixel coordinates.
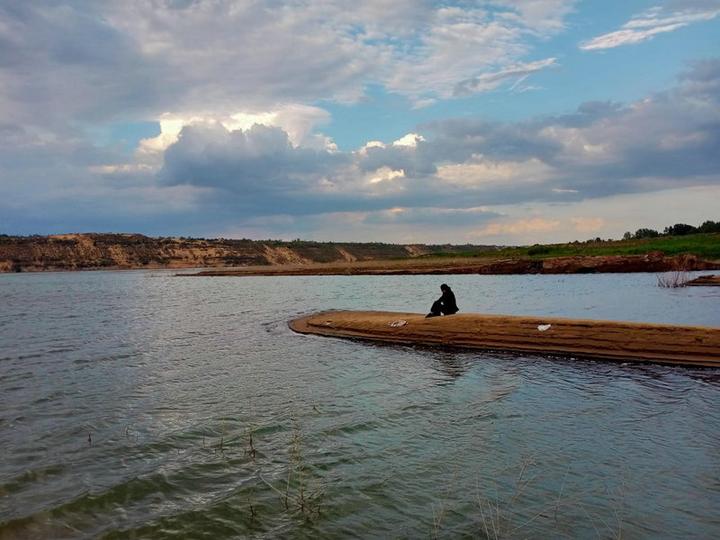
(609, 340)
(705, 281)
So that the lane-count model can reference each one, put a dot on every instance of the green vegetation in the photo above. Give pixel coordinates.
(679, 229)
(43, 252)
(706, 246)
(678, 239)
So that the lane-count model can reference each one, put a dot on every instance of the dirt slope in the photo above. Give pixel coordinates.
(96, 251)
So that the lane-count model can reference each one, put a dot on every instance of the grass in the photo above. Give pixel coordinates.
(706, 246)
(499, 517)
(300, 494)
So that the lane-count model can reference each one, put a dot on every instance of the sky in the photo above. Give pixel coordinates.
(410, 121)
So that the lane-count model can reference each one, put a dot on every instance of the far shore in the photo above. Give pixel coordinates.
(244, 257)
(653, 262)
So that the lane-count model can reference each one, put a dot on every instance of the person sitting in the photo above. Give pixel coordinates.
(445, 305)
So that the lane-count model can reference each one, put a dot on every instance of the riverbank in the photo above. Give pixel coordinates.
(222, 256)
(95, 251)
(652, 262)
(607, 340)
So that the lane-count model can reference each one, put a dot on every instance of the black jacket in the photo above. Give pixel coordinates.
(448, 302)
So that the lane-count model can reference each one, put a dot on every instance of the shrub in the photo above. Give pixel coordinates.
(646, 233)
(680, 229)
(537, 249)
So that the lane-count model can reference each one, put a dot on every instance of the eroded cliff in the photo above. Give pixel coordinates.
(107, 251)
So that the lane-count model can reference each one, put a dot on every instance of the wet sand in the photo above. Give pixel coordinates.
(608, 340)
(705, 281)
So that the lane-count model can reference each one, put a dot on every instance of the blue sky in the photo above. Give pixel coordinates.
(404, 121)
(612, 75)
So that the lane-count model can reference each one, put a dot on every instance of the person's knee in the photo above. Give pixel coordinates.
(436, 309)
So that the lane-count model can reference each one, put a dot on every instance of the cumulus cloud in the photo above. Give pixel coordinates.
(240, 123)
(666, 140)
(298, 121)
(411, 139)
(652, 22)
(70, 70)
(257, 161)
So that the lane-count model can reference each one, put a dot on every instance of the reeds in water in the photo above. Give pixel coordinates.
(675, 278)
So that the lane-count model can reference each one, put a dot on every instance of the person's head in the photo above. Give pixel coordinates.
(444, 287)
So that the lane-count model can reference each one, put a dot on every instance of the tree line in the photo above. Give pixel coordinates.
(679, 229)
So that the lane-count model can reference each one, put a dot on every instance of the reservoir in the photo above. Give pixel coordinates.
(140, 405)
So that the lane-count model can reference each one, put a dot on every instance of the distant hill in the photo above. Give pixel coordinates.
(115, 251)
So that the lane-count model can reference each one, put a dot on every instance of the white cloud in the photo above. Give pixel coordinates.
(662, 141)
(372, 144)
(649, 24)
(491, 80)
(480, 171)
(330, 50)
(386, 174)
(298, 121)
(210, 73)
(540, 16)
(411, 139)
(588, 224)
(519, 227)
(122, 168)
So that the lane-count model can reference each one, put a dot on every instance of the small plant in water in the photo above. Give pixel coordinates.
(499, 513)
(250, 451)
(299, 494)
(672, 280)
(678, 277)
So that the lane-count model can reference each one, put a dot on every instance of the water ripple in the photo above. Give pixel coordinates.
(133, 404)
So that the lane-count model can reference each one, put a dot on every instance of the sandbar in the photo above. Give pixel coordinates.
(712, 280)
(582, 338)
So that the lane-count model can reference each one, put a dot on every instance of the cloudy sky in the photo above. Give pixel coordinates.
(495, 121)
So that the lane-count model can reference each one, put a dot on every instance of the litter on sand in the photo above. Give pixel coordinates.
(544, 327)
(398, 323)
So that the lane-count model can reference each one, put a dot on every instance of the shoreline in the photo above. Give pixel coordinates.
(577, 264)
(214, 257)
(692, 346)
(602, 264)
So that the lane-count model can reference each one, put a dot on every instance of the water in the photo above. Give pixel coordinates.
(128, 400)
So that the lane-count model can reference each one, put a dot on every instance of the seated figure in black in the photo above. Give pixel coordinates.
(445, 305)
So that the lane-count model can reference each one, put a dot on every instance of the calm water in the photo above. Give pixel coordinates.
(139, 405)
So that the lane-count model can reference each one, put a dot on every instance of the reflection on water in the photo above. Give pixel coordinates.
(134, 404)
